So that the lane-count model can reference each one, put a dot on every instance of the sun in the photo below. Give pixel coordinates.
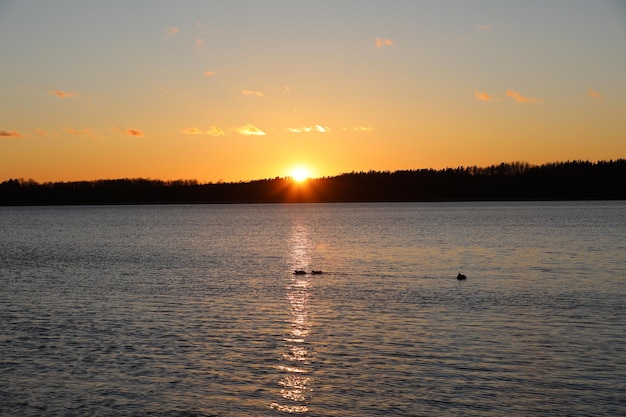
(300, 174)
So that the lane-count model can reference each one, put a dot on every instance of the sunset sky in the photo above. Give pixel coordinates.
(236, 90)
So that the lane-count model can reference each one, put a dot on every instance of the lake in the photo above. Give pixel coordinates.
(195, 310)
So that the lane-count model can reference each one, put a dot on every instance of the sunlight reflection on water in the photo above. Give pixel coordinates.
(295, 385)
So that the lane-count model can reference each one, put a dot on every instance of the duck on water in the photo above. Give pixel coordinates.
(461, 277)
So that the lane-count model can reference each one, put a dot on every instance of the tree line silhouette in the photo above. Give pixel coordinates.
(572, 180)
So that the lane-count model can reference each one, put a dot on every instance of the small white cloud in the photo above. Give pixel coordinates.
(249, 129)
(247, 92)
(308, 129)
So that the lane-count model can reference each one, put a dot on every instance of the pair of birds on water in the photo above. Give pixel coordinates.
(301, 272)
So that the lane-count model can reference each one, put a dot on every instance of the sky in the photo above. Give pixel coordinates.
(238, 90)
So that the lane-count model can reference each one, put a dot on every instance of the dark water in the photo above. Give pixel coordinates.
(195, 311)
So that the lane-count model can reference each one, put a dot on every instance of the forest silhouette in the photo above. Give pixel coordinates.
(572, 180)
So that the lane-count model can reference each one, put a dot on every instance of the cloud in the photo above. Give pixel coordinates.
(308, 129)
(192, 131)
(84, 132)
(484, 96)
(249, 129)
(40, 132)
(172, 31)
(480, 95)
(10, 134)
(521, 99)
(62, 94)
(321, 129)
(199, 43)
(210, 73)
(594, 94)
(132, 132)
(483, 27)
(246, 92)
(362, 128)
(380, 42)
(213, 131)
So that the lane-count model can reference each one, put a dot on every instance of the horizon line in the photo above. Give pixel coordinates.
(197, 182)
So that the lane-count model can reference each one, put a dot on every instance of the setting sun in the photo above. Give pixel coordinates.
(300, 174)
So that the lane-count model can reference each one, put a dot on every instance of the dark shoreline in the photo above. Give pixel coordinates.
(562, 181)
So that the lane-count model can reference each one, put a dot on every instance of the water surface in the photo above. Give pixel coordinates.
(195, 310)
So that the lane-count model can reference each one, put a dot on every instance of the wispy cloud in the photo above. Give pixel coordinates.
(484, 96)
(84, 132)
(192, 131)
(247, 92)
(521, 99)
(362, 128)
(308, 129)
(380, 42)
(483, 27)
(10, 134)
(594, 94)
(63, 94)
(40, 132)
(210, 73)
(249, 129)
(199, 43)
(213, 131)
(132, 132)
(172, 31)
(481, 95)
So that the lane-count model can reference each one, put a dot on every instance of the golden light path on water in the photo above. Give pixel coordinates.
(295, 360)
